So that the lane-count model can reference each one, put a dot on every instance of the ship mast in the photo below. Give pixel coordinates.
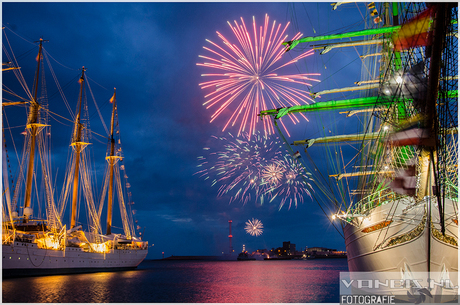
(440, 25)
(34, 128)
(78, 146)
(111, 159)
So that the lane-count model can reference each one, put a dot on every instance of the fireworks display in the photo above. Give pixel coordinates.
(292, 185)
(254, 227)
(237, 167)
(246, 82)
(254, 170)
(272, 173)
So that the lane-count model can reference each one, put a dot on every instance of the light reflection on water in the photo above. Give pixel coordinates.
(189, 282)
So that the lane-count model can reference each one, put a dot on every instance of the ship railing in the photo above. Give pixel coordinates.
(370, 202)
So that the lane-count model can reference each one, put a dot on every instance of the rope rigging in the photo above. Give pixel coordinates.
(42, 178)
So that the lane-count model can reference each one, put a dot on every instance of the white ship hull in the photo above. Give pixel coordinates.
(406, 240)
(25, 259)
(407, 245)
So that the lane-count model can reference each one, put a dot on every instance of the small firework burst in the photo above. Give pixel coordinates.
(273, 173)
(254, 227)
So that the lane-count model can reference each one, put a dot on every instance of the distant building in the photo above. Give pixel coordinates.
(289, 249)
(263, 251)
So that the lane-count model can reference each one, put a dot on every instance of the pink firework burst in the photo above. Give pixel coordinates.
(248, 81)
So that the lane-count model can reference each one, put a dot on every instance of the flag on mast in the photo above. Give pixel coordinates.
(415, 32)
(296, 155)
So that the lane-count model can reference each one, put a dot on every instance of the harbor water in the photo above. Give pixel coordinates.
(161, 281)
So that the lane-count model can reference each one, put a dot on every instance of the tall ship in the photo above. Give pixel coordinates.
(36, 240)
(391, 187)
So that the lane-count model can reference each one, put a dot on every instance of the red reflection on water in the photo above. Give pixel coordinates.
(297, 281)
(255, 282)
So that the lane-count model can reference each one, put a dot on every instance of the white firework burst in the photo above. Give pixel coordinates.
(254, 227)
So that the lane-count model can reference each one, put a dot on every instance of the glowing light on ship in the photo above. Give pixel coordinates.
(254, 227)
(249, 79)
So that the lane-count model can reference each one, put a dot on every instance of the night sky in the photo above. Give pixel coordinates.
(149, 52)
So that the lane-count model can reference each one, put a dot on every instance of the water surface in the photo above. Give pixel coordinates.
(294, 281)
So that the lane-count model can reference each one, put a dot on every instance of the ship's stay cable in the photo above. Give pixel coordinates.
(93, 221)
(45, 175)
(98, 111)
(329, 152)
(348, 189)
(332, 74)
(5, 117)
(331, 156)
(122, 206)
(36, 194)
(17, 72)
(52, 217)
(67, 182)
(308, 17)
(328, 193)
(57, 84)
(387, 228)
(89, 78)
(24, 55)
(312, 192)
(19, 76)
(21, 179)
(126, 184)
(56, 120)
(330, 58)
(10, 92)
(104, 191)
(59, 62)
(69, 83)
(26, 40)
(7, 191)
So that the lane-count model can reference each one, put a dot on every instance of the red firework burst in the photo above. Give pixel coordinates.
(248, 83)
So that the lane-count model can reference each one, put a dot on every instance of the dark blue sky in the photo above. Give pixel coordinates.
(149, 51)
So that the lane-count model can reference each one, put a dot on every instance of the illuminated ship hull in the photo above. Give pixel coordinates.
(406, 244)
(406, 240)
(25, 259)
